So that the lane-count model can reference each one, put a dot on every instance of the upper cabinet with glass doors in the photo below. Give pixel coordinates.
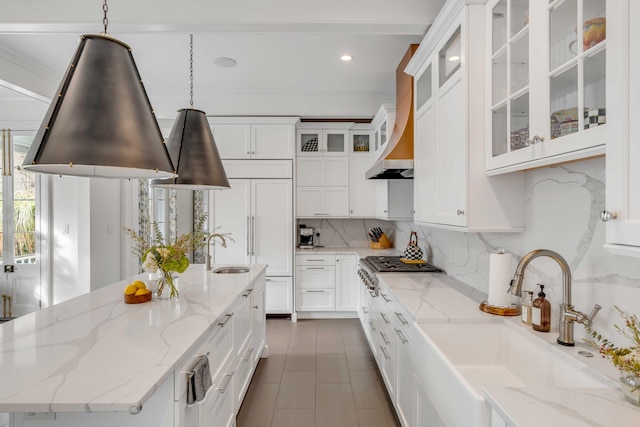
(323, 142)
(545, 82)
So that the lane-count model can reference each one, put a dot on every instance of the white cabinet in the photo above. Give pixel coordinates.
(393, 199)
(322, 171)
(279, 295)
(258, 213)
(361, 190)
(322, 142)
(347, 296)
(327, 282)
(314, 202)
(623, 141)
(546, 94)
(252, 138)
(383, 123)
(451, 189)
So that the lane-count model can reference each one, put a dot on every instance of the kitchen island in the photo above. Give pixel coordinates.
(95, 360)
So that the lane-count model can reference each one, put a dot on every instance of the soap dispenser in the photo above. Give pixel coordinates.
(541, 312)
(527, 301)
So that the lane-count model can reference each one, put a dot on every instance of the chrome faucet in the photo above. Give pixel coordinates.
(567, 314)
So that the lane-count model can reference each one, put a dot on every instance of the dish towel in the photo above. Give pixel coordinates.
(199, 380)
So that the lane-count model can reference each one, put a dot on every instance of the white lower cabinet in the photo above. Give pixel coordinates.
(327, 282)
(347, 296)
(496, 419)
(279, 295)
(316, 300)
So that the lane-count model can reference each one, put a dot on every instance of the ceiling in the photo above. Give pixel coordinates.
(288, 53)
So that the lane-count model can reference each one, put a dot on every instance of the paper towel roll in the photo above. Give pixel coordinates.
(500, 276)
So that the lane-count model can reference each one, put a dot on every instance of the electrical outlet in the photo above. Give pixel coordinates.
(8, 268)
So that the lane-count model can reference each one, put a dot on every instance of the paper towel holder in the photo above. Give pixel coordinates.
(512, 310)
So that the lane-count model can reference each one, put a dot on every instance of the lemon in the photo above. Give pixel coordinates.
(130, 290)
(139, 284)
(140, 292)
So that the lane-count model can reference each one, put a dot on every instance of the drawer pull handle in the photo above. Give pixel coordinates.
(247, 354)
(384, 297)
(314, 291)
(246, 294)
(384, 338)
(401, 336)
(402, 319)
(373, 328)
(224, 322)
(384, 352)
(385, 318)
(256, 307)
(314, 268)
(226, 380)
(364, 310)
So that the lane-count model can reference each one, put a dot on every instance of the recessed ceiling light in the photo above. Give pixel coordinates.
(454, 58)
(346, 58)
(225, 62)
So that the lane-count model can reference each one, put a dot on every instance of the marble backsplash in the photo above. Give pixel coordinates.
(346, 233)
(562, 214)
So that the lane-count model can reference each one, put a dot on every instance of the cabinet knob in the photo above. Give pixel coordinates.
(536, 139)
(608, 216)
(412, 211)
(459, 212)
(386, 211)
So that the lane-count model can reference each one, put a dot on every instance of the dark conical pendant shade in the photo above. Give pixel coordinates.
(193, 150)
(101, 123)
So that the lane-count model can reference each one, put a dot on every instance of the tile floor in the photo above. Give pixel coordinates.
(319, 373)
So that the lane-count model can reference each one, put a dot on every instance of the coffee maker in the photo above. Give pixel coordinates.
(305, 236)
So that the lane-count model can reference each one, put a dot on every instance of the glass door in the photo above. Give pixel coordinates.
(23, 286)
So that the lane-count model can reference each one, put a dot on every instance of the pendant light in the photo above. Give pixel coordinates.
(193, 150)
(100, 123)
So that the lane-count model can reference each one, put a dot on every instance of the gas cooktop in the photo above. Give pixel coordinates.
(390, 264)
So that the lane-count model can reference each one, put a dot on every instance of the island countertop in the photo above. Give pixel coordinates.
(94, 353)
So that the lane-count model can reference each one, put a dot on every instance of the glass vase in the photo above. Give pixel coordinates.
(166, 285)
(630, 386)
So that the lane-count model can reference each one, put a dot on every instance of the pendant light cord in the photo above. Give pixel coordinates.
(105, 21)
(190, 70)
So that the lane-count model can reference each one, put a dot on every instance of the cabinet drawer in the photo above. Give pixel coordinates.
(218, 346)
(320, 277)
(315, 259)
(316, 300)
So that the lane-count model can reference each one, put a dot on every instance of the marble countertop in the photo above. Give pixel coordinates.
(95, 353)
(440, 298)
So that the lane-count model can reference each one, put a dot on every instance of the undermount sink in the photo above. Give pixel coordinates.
(462, 358)
(231, 270)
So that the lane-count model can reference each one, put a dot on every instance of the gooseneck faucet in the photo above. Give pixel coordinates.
(567, 314)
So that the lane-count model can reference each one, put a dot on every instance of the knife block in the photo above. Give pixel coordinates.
(383, 243)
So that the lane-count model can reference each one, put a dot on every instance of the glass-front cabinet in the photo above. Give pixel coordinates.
(546, 79)
(322, 142)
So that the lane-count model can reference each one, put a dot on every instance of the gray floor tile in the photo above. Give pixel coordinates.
(376, 417)
(258, 406)
(330, 343)
(294, 418)
(360, 358)
(335, 406)
(353, 335)
(301, 358)
(368, 391)
(269, 370)
(303, 334)
(332, 369)
(297, 390)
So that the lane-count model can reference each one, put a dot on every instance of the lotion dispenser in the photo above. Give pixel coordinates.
(541, 312)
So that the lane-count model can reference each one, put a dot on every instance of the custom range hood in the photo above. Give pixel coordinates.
(396, 161)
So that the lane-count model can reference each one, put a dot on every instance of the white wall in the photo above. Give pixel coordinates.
(86, 235)
(562, 209)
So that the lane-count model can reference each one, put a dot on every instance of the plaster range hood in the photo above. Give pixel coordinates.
(396, 161)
